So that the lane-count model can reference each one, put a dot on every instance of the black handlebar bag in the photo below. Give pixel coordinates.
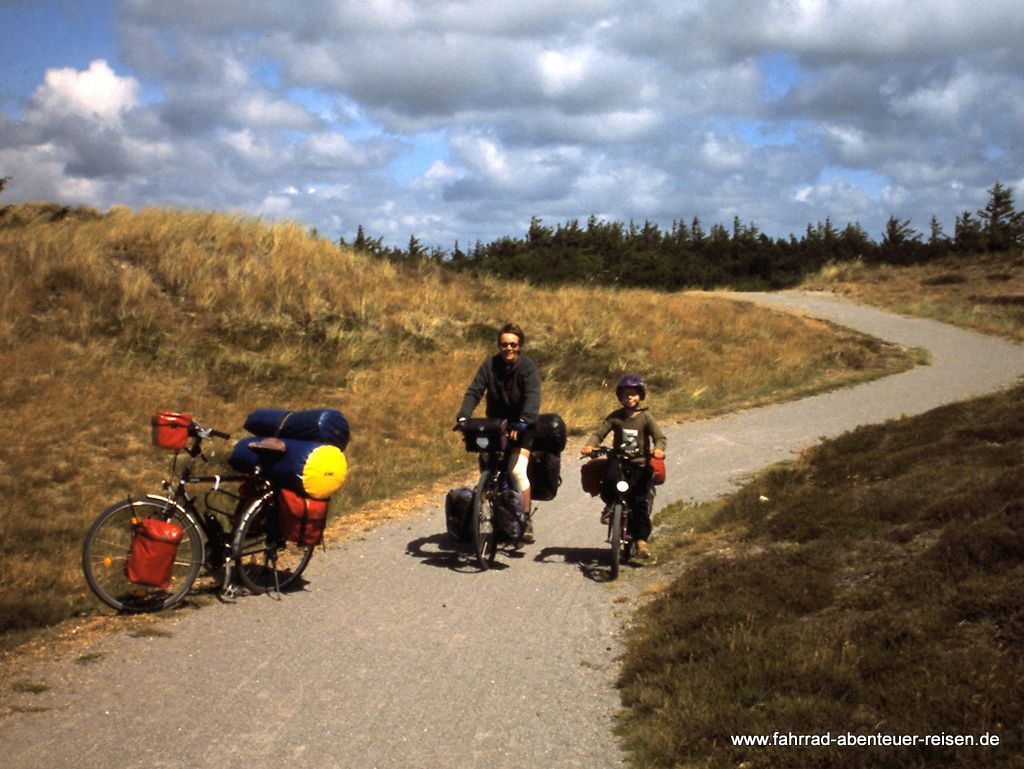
(485, 434)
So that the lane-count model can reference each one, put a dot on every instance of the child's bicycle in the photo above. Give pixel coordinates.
(250, 543)
(618, 510)
(489, 438)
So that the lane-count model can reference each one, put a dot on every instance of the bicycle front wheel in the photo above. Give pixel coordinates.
(484, 539)
(264, 560)
(616, 538)
(109, 541)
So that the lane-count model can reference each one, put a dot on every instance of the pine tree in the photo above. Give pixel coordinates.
(416, 251)
(968, 237)
(938, 243)
(900, 242)
(1000, 224)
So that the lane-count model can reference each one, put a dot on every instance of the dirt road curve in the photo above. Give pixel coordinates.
(400, 654)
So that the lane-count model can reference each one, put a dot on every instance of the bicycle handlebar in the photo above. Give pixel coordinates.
(208, 432)
(607, 451)
(460, 426)
(602, 451)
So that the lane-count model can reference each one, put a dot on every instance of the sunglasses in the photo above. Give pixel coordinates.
(509, 345)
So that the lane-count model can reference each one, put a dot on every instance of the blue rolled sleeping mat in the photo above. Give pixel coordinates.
(313, 463)
(318, 425)
(309, 468)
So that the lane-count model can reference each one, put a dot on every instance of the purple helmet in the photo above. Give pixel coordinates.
(631, 380)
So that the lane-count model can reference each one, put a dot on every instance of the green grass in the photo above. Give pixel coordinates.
(875, 586)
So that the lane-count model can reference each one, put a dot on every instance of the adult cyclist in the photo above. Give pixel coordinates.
(510, 385)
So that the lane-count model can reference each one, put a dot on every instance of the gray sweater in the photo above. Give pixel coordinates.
(636, 434)
(513, 395)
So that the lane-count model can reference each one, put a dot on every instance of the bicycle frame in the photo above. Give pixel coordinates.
(623, 529)
(215, 538)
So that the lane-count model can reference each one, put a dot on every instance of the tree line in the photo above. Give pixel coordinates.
(690, 256)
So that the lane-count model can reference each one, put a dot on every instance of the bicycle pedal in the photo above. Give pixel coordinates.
(229, 592)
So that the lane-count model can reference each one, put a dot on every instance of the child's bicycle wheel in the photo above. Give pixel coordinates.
(616, 538)
(109, 541)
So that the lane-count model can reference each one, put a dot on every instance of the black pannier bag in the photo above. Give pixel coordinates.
(545, 473)
(549, 434)
(509, 516)
(458, 512)
(485, 434)
(592, 475)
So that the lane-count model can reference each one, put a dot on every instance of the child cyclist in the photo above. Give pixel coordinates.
(636, 432)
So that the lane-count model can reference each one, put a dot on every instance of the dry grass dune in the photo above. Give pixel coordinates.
(106, 318)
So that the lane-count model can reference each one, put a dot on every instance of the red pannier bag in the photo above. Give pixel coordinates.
(301, 519)
(658, 471)
(170, 429)
(592, 475)
(154, 547)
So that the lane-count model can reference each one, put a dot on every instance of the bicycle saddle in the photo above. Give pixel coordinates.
(269, 445)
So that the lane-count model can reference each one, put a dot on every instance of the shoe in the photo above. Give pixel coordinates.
(642, 551)
(606, 516)
(527, 535)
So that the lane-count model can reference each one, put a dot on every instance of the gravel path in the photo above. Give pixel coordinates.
(400, 654)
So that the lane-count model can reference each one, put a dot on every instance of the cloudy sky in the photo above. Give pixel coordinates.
(462, 119)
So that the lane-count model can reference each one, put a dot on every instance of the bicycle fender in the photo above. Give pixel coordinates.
(166, 501)
(171, 503)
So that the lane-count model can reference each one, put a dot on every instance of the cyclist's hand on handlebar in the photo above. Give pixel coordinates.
(459, 424)
(586, 451)
(517, 428)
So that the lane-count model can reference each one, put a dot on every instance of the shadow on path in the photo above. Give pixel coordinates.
(441, 551)
(593, 562)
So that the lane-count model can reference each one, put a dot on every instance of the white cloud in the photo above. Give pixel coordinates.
(839, 201)
(246, 144)
(331, 146)
(849, 141)
(723, 154)
(276, 205)
(258, 110)
(317, 110)
(561, 71)
(885, 28)
(95, 94)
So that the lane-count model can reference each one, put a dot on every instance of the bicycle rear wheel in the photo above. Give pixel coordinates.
(484, 538)
(106, 548)
(264, 560)
(616, 538)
